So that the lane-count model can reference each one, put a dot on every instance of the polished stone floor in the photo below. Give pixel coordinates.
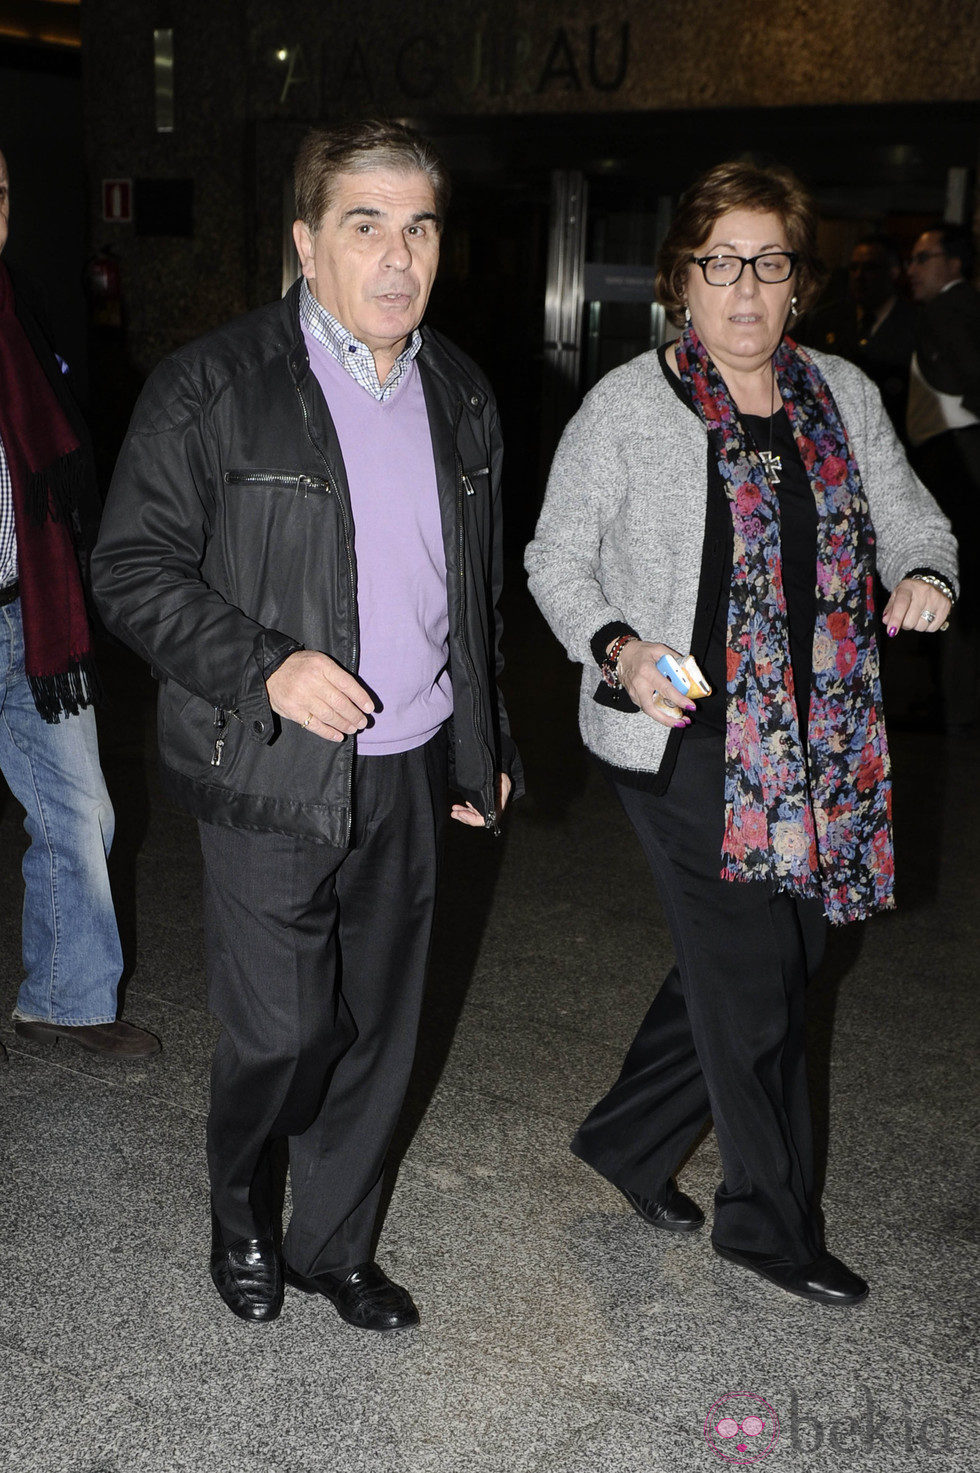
(560, 1334)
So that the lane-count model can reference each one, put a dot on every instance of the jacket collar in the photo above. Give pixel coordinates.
(453, 371)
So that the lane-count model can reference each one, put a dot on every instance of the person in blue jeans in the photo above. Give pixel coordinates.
(49, 752)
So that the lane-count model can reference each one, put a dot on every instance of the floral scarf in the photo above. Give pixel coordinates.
(815, 822)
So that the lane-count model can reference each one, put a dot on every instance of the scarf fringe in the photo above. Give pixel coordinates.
(840, 914)
(57, 696)
(54, 492)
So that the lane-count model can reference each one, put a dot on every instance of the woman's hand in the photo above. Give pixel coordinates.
(642, 681)
(911, 604)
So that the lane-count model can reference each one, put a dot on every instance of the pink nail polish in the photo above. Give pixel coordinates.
(892, 632)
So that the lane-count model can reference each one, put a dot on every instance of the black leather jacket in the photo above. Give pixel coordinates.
(227, 543)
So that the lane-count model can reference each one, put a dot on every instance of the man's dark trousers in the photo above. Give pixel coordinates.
(316, 964)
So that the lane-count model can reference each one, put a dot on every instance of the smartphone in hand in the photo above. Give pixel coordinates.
(685, 675)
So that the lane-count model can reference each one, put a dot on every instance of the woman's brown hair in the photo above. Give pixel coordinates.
(739, 186)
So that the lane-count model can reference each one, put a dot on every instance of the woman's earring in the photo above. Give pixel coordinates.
(687, 314)
(793, 307)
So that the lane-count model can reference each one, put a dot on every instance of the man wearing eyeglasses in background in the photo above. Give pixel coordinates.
(943, 426)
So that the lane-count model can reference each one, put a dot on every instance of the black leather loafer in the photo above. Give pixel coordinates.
(248, 1276)
(365, 1297)
(674, 1213)
(825, 1279)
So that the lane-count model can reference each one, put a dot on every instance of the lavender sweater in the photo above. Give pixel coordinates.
(402, 611)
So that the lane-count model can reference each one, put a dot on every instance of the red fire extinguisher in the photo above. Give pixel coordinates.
(104, 280)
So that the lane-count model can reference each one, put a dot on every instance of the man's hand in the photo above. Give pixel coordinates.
(317, 693)
(466, 813)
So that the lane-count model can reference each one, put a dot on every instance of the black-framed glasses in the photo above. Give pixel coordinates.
(770, 268)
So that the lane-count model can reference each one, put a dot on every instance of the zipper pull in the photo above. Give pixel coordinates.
(305, 483)
(220, 724)
(468, 486)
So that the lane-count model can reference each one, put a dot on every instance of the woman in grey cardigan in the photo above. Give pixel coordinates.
(732, 496)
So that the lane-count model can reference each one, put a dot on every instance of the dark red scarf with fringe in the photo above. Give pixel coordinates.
(46, 472)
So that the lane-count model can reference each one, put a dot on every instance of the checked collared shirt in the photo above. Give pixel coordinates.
(8, 536)
(356, 358)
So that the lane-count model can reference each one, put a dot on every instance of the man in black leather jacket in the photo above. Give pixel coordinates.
(303, 537)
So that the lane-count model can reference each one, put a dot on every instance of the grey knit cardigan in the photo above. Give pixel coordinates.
(621, 530)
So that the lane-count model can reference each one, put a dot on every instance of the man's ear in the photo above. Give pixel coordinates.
(303, 241)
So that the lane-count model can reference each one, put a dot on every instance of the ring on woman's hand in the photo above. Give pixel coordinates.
(928, 615)
(307, 721)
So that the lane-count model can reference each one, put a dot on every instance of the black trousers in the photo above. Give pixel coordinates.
(725, 1035)
(316, 965)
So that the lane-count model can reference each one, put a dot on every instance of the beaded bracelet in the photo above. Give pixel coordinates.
(935, 580)
(608, 667)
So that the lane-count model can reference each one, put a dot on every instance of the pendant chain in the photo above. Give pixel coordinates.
(771, 464)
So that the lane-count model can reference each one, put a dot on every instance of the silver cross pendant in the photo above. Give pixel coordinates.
(771, 464)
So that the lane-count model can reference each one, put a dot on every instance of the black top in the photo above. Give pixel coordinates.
(798, 542)
(798, 531)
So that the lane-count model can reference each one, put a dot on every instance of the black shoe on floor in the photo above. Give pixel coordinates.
(674, 1212)
(248, 1275)
(825, 1279)
(117, 1040)
(365, 1297)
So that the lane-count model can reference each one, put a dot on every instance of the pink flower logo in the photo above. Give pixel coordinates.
(741, 1427)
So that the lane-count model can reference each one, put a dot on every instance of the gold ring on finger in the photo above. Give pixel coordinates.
(307, 721)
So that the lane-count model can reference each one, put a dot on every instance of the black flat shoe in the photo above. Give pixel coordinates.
(365, 1297)
(825, 1280)
(248, 1276)
(675, 1213)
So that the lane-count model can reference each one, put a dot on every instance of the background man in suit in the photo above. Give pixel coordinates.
(874, 327)
(944, 431)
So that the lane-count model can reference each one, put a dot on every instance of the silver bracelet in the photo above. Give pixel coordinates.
(935, 581)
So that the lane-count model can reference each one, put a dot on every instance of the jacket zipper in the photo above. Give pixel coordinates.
(222, 720)
(466, 488)
(306, 484)
(350, 574)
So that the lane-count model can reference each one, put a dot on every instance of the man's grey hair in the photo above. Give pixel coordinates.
(356, 148)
